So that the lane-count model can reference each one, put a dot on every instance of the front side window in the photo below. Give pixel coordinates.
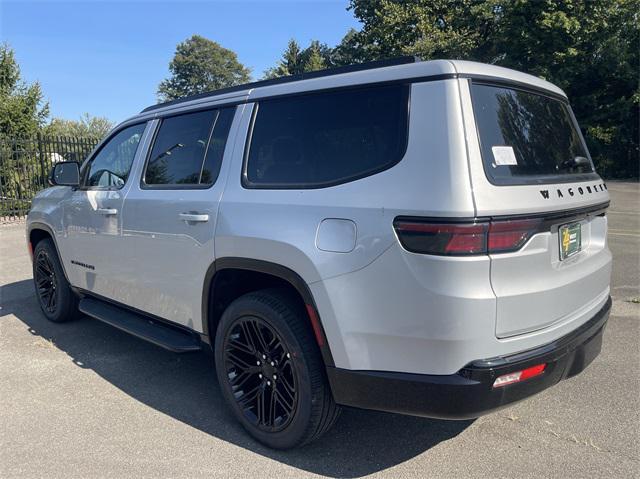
(111, 166)
(328, 138)
(188, 149)
(528, 137)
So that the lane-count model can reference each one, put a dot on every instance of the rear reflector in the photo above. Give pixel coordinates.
(459, 239)
(519, 376)
(315, 324)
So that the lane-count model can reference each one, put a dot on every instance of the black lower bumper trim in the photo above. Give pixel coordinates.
(470, 392)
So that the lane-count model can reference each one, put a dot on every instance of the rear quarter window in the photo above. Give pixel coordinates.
(527, 137)
(324, 139)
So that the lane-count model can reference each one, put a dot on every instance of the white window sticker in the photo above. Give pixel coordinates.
(504, 155)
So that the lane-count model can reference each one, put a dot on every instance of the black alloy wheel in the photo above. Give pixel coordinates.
(270, 369)
(46, 282)
(260, 373)
(57, 300)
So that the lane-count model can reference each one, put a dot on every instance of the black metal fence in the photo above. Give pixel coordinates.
(25, 164)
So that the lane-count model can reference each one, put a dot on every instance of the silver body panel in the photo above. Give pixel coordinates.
(382, 308)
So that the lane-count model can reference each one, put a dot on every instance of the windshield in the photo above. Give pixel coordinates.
(527, 137)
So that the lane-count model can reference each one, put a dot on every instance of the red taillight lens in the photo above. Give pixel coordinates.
(458, 239)
(511, 235)
(442, 238)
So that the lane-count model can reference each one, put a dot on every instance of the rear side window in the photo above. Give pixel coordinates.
(217, 143)
(324, 139)
(188, 149)
(528, 138)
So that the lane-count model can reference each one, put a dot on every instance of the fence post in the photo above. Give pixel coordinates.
(43, 171)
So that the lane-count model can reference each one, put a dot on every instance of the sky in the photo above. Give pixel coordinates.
(107, 58)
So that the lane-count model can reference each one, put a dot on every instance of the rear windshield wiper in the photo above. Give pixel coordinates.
(576, 162)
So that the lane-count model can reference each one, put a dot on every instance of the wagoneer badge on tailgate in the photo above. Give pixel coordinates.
(580, 190)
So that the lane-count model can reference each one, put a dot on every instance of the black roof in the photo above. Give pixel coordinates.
(291, 78)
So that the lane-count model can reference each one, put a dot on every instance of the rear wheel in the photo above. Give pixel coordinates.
(57, 301)
(271, 372)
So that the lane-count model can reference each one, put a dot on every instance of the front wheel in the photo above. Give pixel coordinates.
(271, 372)
(57, 301)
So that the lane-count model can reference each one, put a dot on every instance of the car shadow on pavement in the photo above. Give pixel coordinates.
(185, 388)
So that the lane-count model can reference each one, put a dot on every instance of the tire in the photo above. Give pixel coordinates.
(57, 301)
(271, 372)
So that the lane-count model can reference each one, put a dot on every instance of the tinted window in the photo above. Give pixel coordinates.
(178, 151)
(215, 152)
(327, 138)
(110, 167)
(526, 137)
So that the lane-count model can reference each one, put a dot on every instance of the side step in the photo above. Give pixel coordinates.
(172, 338)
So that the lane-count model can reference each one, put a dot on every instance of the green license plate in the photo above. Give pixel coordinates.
(570, 237)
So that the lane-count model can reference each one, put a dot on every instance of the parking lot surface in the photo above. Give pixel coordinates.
(83, 399)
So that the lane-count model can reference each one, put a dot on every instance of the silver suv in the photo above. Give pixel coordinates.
(427, 238)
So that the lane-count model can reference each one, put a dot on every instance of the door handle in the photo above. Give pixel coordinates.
(107, 211)
(194, 217)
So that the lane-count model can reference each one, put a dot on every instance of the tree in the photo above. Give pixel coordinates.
(590, 49)
(87, 126)
(350, 50)
(22, 107)
(22, 112)
(428, 28)
(294, 61)
(312, 59)
(200, 65)
(289, 64)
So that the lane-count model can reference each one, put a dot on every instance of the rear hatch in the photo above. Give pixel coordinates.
(532, 165)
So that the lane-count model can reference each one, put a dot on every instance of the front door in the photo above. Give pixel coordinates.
(93, 215)
(170, 215)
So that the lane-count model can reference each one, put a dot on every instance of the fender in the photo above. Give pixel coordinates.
(278, 271)
(36, 225)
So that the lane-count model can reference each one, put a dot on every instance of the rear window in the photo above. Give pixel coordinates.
(324, 139)
(528, 138)
(188, 149)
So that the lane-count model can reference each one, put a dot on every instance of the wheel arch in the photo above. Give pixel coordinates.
(36, 232)
(265, 271)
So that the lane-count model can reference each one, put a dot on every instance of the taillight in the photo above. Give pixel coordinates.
(443, 238)
(465, 238)
(511, 235)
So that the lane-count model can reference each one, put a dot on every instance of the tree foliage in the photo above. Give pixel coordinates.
(87, 126)
(317, 56)
(22, 107)
(201, 65)
(590, 49)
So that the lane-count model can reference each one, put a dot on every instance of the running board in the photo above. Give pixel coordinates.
(172, 338)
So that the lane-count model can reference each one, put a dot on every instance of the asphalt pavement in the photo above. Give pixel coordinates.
(84, 400)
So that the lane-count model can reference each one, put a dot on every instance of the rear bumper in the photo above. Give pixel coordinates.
(469, 393)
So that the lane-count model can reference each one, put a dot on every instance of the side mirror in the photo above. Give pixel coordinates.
(65, 173)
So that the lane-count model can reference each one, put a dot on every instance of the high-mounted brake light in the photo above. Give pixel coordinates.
(459, 239)
(519, 376)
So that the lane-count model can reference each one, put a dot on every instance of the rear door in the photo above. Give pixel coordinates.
(170, 215)
(528, 161)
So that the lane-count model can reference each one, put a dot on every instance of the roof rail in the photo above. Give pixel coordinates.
(291, 78)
